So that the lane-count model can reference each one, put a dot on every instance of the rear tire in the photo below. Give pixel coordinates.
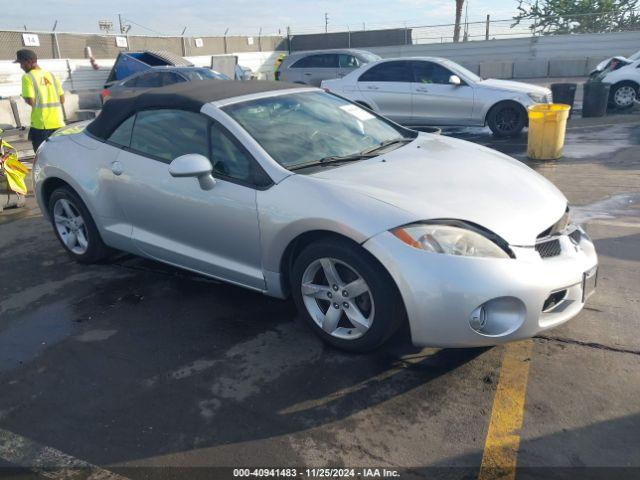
(623, 95)
(356, 306)
(75, 228)
(507, 119)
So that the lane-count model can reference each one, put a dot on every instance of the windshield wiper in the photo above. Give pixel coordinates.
(367, 153)
(332, 159)
(386, 143)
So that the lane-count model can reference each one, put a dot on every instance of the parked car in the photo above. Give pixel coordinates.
(434, 91)
(313, 67)
(292, 191)
(159, 77)
(624, 76)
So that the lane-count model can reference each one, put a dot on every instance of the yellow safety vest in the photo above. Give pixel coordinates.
(45, 88)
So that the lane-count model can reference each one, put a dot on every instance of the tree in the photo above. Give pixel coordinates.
(456, 27)
(578, 16)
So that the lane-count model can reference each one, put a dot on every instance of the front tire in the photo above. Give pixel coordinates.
(74, 227)
(345, 296)
(507, 119)
(623, 95)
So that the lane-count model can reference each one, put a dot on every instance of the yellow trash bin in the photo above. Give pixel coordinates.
(547, 124)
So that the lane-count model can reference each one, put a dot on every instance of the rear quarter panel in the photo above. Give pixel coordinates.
(81, 162)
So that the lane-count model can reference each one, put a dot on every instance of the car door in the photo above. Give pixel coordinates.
(386, 87)
(435, 100)
(315, 68)
(215, 231)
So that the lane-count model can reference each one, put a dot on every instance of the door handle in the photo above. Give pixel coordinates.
(421, 89)
(373, 87)
(116, 168)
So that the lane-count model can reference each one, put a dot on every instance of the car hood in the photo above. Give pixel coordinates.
(436, 177)
(511, 86)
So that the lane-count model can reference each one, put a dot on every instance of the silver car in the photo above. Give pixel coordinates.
(158, 77)
(435, 91)
(292, 191)
(311, 68)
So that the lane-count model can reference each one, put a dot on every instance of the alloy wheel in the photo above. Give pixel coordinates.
(71, 226)
(624, 96)
(337, 298)
(507, 119)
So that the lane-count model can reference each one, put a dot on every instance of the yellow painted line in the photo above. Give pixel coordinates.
(503, 437)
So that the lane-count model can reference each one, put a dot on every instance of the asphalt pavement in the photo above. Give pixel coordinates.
(127, 366)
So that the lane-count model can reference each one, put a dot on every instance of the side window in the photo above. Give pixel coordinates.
(122, 135)
(429, 72)
(130, 83)
(167, 134)
(348, 61)
(326, 60)
(228, 158)
(399, 71)
(302, 63)
(169, 78)
(150, 80)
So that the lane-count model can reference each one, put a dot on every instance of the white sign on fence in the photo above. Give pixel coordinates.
(250, 40)
(121, 42)
(30, 40)
(199, 42)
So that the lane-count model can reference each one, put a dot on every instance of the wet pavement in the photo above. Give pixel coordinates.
(132, 364)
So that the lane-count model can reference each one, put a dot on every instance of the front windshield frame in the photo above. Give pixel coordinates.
(369, 136)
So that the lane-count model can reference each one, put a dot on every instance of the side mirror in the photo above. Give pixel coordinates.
(455, 80)
(193, 165)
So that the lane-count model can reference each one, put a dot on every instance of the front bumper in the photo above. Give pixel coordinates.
(441, 292)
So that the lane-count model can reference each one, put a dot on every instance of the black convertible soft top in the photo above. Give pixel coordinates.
(183, 96)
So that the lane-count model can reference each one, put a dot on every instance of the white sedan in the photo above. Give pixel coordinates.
(435, 91)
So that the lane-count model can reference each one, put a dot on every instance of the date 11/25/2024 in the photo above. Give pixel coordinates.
(315, 472)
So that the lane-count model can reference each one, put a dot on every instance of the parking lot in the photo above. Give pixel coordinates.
(129, 365)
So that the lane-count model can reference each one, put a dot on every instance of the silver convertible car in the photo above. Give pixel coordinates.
(292, 191)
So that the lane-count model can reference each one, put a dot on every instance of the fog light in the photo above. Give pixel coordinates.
(478, 319)
(498, 317)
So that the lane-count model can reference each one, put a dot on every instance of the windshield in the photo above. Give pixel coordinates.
(301, 128)
(203, 74)
(460, 69)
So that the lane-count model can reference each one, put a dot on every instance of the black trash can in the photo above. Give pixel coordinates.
(595, 99)
(564, 93)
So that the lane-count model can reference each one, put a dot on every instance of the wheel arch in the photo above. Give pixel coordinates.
(300, 242)
(619, 83)
(50, 184)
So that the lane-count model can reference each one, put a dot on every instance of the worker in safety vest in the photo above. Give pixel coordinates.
(41, 90)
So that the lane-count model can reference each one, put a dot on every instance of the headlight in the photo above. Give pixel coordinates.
(539, 97)
(448, 239)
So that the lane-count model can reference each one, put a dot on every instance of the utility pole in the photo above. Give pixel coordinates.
(486, 33)
(120, 23)
(326, 22)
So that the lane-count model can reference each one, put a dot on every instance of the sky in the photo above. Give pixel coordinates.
(241, 17)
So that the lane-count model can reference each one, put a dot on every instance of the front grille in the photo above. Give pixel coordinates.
(550, 248)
